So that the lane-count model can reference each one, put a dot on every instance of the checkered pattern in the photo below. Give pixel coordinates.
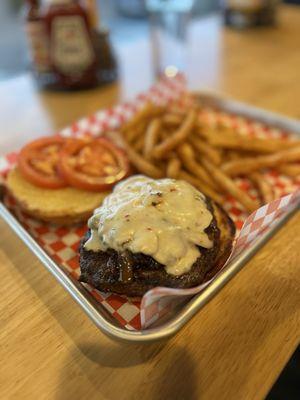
(263, 220)
(159, 301)
(62, 243)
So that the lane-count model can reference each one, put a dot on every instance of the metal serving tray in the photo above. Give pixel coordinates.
(97, 313)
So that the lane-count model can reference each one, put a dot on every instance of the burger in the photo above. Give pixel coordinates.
(150, 233)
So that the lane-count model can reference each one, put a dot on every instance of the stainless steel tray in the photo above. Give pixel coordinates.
(97, 313)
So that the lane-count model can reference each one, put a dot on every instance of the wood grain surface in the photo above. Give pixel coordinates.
(237, 345)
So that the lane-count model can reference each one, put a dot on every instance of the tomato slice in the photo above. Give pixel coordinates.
(38, 162)
(93, 164)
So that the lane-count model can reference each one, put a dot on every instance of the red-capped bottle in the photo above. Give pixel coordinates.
(71, 50)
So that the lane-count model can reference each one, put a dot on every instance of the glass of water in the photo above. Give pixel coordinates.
(168, 23)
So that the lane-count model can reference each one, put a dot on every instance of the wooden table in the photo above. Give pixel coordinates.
(237, 345)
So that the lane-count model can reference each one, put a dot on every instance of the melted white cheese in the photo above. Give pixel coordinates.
(164, 219)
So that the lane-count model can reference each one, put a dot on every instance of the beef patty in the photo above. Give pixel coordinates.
(135, 273)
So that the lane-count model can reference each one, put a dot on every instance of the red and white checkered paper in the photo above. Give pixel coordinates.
(61, 243)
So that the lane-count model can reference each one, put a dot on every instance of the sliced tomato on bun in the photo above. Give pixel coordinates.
(38, 162)
(94, 164)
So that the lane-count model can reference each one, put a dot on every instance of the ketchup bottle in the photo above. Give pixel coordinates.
(72, 54)
(37, 37)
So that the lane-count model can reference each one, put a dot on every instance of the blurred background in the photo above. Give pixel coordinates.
(126, 19)
(130, 24)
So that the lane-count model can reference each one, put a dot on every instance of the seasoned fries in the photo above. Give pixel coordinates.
(175, 142)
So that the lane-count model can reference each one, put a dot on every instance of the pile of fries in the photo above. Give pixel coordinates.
(174, 142)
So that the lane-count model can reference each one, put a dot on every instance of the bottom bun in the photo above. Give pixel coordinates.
(64, 206)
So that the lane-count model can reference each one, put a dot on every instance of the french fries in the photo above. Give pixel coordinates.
(143, 165)
(136, 131)
(178, 110)
(172, 119)
(263, 187)
(292, 170)
(186, 154)
(173, 167)
(138, 145)
(207, 150)
(175, 142)
(234, 141)
(205, 132)
(203, 187)
(149, 110)
(177, 137)
(230, 187)
(151, 136)
(247, 165)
